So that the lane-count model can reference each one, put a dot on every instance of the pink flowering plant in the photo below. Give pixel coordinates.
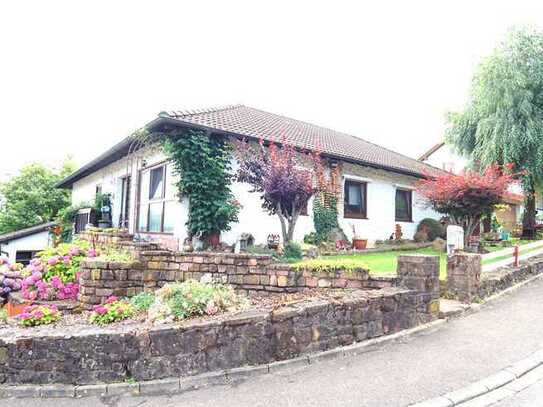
(34, 315)
(112, 311)
(53, 275)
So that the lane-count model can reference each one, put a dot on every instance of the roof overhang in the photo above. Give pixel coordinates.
(163, 124)
(18, 234)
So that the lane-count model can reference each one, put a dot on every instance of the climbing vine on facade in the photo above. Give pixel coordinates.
(325, 212)
(203, 163)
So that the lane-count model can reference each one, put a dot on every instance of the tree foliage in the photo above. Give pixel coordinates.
(203, 163)
(277, 173)
(30, 198)
(503, 121)
(467, 197)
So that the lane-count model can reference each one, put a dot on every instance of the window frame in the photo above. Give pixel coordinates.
(149, 201)
(409, 193)
(364, 208)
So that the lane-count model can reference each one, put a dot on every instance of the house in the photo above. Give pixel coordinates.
(22, 245)
(377, 183)
(443, 156)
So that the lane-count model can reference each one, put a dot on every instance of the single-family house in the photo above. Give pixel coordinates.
(377, 183)
(22, 245)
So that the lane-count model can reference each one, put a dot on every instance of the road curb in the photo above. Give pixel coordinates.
(183, 384)
(487, 385)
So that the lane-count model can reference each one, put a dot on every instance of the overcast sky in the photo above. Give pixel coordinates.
(76, 77)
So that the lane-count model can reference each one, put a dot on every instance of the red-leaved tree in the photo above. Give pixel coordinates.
(277, 172)
(467, 197)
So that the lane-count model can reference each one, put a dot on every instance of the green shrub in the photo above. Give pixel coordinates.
(190, 298)
(310, 238)
(323, 264)
(113, 254)
(34, 315)
(112, 311)
(293, 251)
(142, 301)
(3, 316)
(260, 250)
(434, 228)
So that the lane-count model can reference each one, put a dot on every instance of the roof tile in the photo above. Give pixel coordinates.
(251, 122)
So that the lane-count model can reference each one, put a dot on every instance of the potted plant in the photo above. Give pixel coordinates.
(358, 242)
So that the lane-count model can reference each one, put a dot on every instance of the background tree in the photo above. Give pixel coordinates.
(466, 198)
(503, 121)
(30, 198)
(277, 173)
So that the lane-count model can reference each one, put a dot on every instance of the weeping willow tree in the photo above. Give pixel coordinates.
(503, 120)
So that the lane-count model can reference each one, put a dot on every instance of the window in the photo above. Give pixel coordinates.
(403, 205)
(157, 201)
(355, 199)
(24, 256)
(125, 202)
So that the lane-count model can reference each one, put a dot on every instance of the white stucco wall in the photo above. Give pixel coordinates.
(110, 178)
(35, 242)
(381, 192)
(381, 204)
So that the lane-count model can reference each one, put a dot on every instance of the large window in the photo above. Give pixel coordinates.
(355, 199)
(157, 202)
(404, 211)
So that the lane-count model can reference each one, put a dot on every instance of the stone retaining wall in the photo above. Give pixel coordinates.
(467, 283)
(100, 280)
(83, 355)
(248, 274)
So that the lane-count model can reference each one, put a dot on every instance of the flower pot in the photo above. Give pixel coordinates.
(360, 244)
(15, 309)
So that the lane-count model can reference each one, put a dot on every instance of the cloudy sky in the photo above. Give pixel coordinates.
(76, 76)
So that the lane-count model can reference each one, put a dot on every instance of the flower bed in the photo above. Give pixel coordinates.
(207, 327)
(81, 353)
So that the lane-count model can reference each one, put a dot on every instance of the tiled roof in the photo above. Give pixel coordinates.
(249, 122)
(254, 123)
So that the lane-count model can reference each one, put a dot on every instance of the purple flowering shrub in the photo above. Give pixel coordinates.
(34, 315)
(112, 311)
(11, 276)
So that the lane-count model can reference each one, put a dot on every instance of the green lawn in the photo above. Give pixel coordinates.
(385, 262)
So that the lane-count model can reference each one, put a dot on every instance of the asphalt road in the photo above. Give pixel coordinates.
(394, 374)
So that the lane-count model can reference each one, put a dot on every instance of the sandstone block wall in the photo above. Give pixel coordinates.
(420, 274)
(464, 276)
(100, 280)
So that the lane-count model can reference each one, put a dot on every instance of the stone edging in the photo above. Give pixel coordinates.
(487, 385)
(182, 384)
